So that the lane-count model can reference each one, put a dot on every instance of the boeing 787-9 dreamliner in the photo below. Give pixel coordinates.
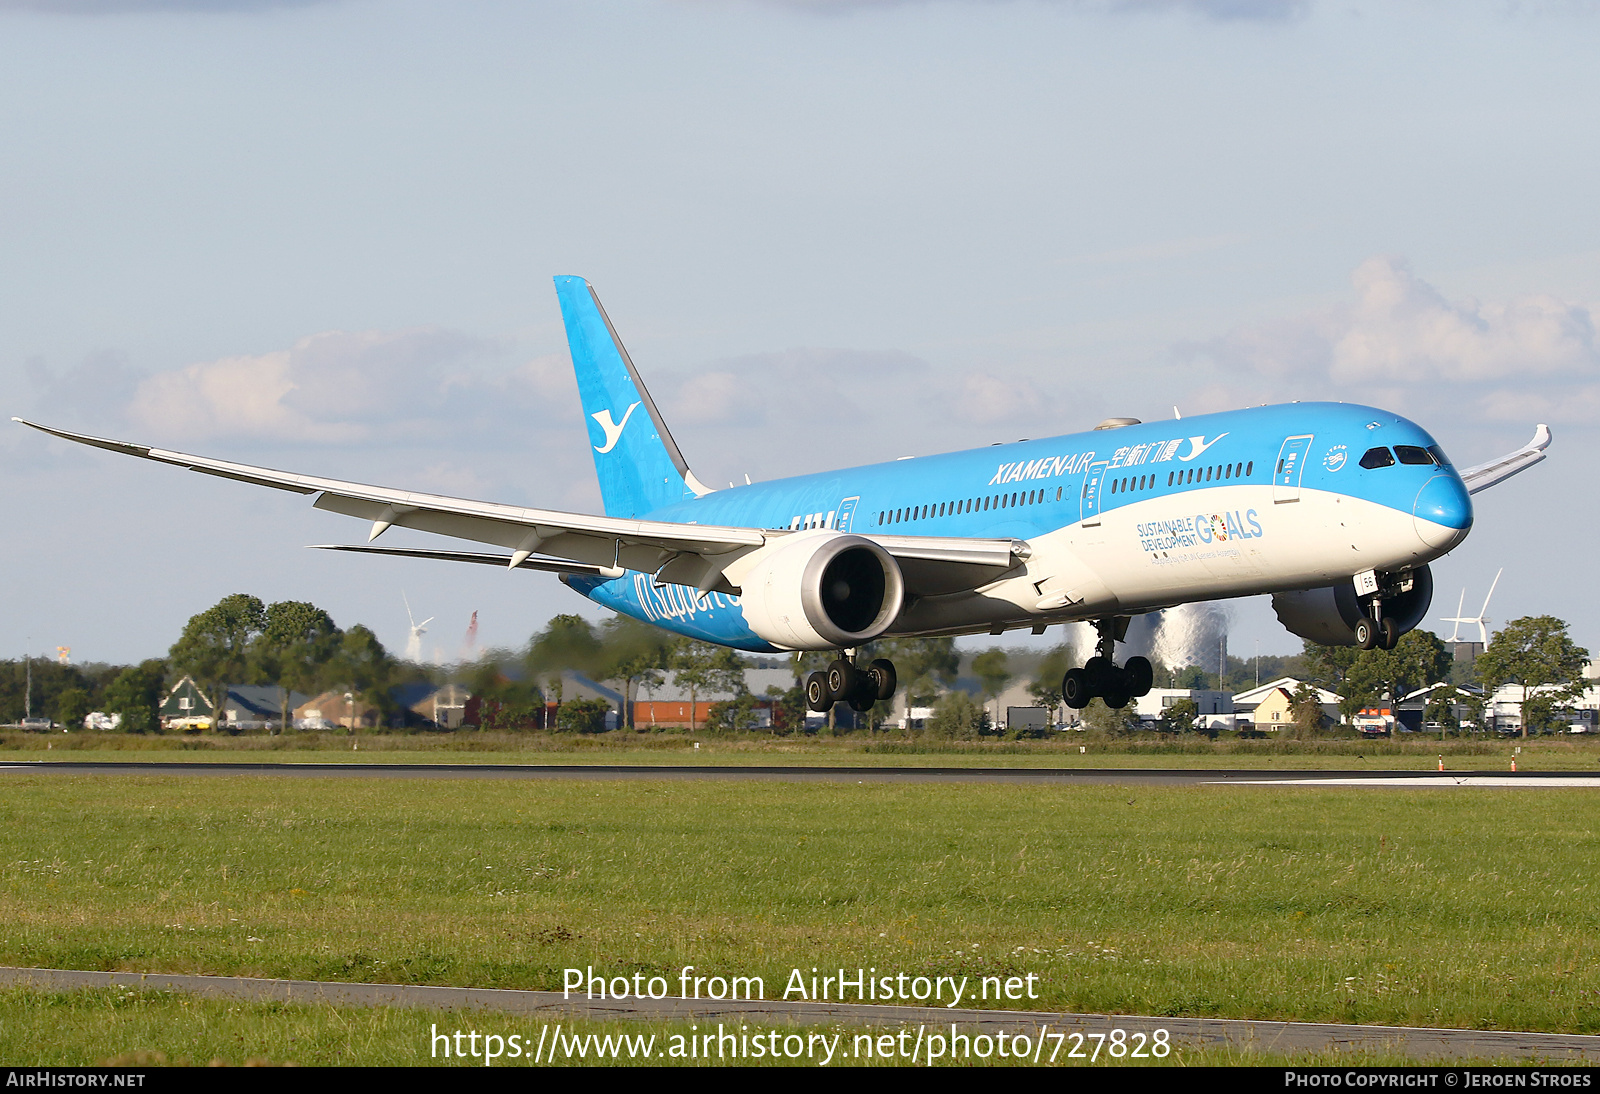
(1334, 509)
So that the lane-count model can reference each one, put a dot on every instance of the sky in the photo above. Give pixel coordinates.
(319, 235)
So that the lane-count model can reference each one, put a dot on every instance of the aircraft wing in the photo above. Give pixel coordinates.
(692, 554)
(1485, 475)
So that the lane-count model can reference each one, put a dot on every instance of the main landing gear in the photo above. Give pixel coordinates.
(1100, 677)
(846, 682)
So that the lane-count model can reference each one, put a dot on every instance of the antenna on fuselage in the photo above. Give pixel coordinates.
(1175, 413)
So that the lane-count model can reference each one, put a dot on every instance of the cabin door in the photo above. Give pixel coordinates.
(1089, 507)
(1291, 465)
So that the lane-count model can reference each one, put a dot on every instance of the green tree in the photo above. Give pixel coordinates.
(504, 703)
(361, 665)
(703, 667)
(1534, 652)
(1327, 666)
(924, 666)
(1179, 717)
(734, 715)
(1417, 660)
(993, 675)
(957, 716)
(633, 654)
(584, 716)
(1305, 711)
(294, 648)
(1117, 721)
(567, 643)
(788, 709)
(1441, 708)
(1046, 685)
(135, 694)
(215, 646)
(70, 707)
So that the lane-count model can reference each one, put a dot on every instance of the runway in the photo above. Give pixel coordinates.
(1038, 776)
(1418, 1043)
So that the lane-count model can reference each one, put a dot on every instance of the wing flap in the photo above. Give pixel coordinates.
(692, 554)
(484, 522)
(1485, 475)
(483, 558)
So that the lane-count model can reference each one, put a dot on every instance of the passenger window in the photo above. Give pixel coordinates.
(1249, 468)
(1377, 457)
(1413, 456)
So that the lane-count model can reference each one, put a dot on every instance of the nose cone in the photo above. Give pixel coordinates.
(1443, 512)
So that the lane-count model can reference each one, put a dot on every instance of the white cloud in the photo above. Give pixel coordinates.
(1399, 342)
(332, 387)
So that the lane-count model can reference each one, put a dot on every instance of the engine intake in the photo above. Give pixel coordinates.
(1327, 616)
(823, 591)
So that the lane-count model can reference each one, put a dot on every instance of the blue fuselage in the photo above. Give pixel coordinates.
(1151, 508)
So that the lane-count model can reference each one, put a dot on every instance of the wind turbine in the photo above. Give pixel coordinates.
(414, 644)
(1481, 619)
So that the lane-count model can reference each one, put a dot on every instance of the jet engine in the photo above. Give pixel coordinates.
(822, 592)
(1327, 616)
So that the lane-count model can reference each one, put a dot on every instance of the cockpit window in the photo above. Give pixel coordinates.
(1438, 455)
(1411, 454)
(1377, 457)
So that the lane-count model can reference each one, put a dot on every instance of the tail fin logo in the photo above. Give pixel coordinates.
(613, 430)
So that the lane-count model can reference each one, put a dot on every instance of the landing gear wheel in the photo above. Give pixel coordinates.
(1388, 632)
(882, 675)
(842, 678)
(1075, 689)
(818, 696)
(861, 706)
(1141, 675)
(1366, 633)
(1116, 698)
(1100, 674)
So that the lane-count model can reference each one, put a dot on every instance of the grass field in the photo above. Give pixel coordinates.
(123, 1028)
(1446, 908)
(1086, 750)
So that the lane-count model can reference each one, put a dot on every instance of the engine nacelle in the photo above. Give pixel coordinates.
(1328, 616)
(823, 591)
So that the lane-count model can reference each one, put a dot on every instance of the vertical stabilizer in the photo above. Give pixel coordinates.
(638, 462)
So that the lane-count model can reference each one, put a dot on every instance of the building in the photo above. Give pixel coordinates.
(186, 707)
(337, 709)
(428, 705)
(1503, 709)
(667, 705)
(1246, 704)
(1215, 708)
(258, 706)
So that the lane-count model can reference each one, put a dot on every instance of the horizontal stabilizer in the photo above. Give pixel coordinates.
(1485, 475)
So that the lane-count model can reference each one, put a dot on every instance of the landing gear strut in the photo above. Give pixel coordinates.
(1100, 677)
(1375, 630)
(845, 682)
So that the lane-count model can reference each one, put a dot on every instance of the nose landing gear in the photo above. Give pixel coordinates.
(1101, 678)
(844, 681)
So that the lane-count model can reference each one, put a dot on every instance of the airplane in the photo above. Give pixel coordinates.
(1334, 509)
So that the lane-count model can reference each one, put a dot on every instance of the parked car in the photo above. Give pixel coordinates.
(37, 725)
